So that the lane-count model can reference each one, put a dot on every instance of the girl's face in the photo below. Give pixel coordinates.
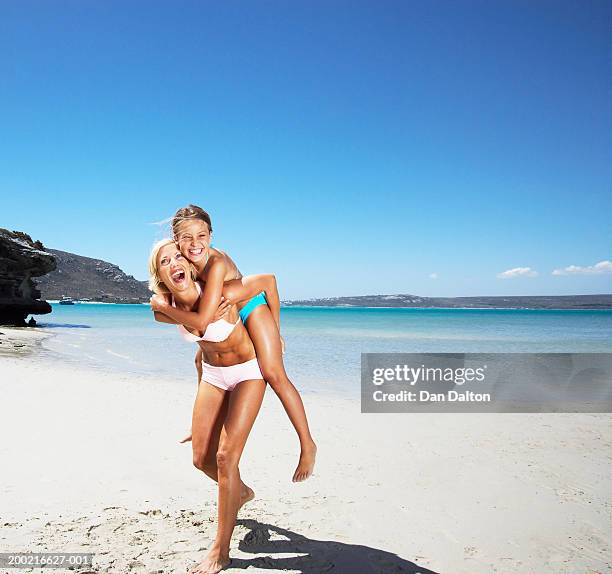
(173, 269)
(193, 238)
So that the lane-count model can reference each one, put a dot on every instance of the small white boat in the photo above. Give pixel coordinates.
(66, 301)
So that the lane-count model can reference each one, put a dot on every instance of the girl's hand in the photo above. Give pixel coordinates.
(158, 303)
(222, 309)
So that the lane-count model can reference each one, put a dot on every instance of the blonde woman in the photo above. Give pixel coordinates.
(228, 398)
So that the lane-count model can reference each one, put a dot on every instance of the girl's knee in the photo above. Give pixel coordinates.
(274, 377)
(199, 462)
(270, 281)
(227, 459)
(203, 459)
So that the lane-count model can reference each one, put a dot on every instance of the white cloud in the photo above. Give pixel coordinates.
(517, 272)
(433, 275)
(597, 269)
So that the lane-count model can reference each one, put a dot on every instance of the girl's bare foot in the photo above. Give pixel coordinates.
(246, 495)
(306, 463)
(213, 563)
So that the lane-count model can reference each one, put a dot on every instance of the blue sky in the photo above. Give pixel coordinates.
(349, 147)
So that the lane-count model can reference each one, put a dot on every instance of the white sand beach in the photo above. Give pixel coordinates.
(91, 463)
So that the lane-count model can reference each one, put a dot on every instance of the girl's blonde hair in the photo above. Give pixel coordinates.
(190, 212)
(155, 283)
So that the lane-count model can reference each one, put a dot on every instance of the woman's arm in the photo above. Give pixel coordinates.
(163, 318)
(209, 301)
(239, 290)
(157, 300)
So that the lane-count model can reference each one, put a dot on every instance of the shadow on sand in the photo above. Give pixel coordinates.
(317, 556)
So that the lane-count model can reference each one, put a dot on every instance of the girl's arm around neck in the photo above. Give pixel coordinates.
(209, 300)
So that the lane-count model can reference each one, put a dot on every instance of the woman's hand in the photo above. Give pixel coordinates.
(222, 309)
(159, 303)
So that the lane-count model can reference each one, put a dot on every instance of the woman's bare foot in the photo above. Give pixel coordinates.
(213, 563)
(246, 495)
(186, 439)
(306, 463)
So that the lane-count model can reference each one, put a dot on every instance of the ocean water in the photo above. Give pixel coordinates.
(323, 345)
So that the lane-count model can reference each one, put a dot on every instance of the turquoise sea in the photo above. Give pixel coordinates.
(323, 344)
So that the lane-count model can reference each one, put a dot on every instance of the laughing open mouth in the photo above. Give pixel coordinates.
(195, 252)
(178, 276)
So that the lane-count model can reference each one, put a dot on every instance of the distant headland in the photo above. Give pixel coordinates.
(84, 278)
(483, 302)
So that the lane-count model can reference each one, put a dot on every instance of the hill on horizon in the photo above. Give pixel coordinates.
(85, 278)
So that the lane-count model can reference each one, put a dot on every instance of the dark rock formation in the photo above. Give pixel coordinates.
(85, 278)
(20, 259)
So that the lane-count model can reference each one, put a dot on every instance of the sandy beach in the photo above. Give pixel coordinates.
(92, 463)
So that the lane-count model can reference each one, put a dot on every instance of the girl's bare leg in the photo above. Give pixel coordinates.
(266, 340)
(244, 403)
(205, 449)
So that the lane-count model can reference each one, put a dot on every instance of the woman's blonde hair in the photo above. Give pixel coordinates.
(155, 283)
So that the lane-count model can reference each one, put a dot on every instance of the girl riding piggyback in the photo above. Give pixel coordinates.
(258, 303)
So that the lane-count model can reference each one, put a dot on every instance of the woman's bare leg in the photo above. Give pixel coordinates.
(205, 450)
(244, 403)
(266, 340)
(208, 406)
(198, 366)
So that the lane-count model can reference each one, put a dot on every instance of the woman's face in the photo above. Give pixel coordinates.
(193, 238)
(173, 269)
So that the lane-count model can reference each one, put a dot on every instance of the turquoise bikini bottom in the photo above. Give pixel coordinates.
(252, 303)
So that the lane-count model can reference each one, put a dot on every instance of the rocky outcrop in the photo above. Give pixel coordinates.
(85, 278)
(20, 260)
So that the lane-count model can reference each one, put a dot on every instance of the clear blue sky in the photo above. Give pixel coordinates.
(349, 147)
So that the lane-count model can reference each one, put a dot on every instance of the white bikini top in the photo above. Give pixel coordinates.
(216, 331)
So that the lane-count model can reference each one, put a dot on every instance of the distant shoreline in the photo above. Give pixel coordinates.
(447, 308)
(423, 308)
(76, 302)
(406, 301)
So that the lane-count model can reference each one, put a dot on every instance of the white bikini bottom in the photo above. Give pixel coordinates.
(227, 378)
